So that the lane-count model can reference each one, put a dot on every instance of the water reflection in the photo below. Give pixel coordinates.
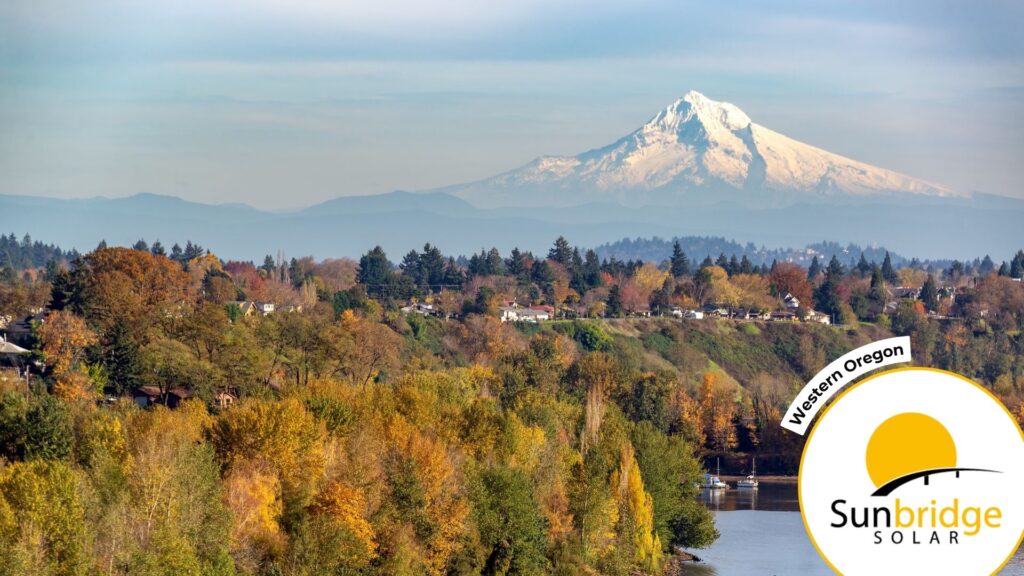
(768, 497)
(762, 534)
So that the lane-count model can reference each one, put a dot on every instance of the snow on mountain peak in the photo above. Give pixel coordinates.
(695, 149)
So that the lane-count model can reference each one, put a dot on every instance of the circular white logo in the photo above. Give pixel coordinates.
(914, 471)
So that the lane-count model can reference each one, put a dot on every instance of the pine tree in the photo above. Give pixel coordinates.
(930, 294)
(561, 252)
(1017, 265)
(141, 246)
(679, 264)
(814, 269)
(516, 264)
(495, 265)
(863, 268)
(745, 266)
(887, 270)
(614, 304)
(987, 266)
(591, 270)
(660, 298)
(157, 249)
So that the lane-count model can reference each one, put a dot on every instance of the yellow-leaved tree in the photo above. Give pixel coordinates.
(636, 513)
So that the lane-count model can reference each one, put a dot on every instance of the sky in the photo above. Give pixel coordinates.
(283, 104)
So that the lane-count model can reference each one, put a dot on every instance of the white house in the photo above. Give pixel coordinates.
(791, 302)
(818, 317)
(516, 313)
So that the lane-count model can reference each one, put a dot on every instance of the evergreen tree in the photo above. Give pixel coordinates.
(930, 294)
(1017, 265)
(141, 246)
(410, 266)
(660, 298)
(374, 272)
(722, 262)
(1004, 269)
(987, 266)
(835, 269)
(679, 264)
(561, 252)
(121, 359)
(887, 270)
(176, 253)
(591, 270)
(706, 263)
(516, 264)
(734, 266)
(102, 245)
(814, 269)
(745, 266)
(432, 266)
(157, 249)
(863, 268)
(614, 304)
(268, 265)
(495, 265)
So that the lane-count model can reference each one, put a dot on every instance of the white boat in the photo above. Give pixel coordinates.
(750, 482)
(714, 482)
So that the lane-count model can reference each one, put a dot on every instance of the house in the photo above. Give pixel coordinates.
(176, 396)
(146, 396)
(250, 308)
(818, 317)
(421, 308)
(784, 316)
(906, 293)
(791, 302)
(533, 315)
(508, 313)
(224, 399)
(11, 354)
(516, 313)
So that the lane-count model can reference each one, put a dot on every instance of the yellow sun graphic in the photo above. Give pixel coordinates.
(908, 443)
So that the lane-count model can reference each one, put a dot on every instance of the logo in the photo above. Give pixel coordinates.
(914, 471)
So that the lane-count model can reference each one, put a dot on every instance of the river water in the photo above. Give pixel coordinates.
(762, 535)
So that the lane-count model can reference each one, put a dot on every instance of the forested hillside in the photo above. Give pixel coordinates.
(383, 419)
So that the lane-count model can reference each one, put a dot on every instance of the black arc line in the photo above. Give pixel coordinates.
(892, 485)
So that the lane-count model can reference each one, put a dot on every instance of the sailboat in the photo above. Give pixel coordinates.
(750, 482)
(714, 482)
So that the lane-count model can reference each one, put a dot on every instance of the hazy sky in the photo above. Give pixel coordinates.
(283, 104)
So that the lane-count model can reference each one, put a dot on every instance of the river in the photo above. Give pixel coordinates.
(762, 535)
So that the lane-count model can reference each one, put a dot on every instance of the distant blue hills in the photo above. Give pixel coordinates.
(923, 227)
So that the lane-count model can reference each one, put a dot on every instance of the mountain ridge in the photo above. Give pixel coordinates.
(694, 151)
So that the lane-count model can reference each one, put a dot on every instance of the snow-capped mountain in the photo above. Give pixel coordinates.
(695, 151)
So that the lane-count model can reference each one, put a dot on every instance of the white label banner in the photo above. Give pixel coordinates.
(842, 371)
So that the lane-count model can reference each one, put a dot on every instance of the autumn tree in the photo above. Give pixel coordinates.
(789, 278)
(134, 289)
(63, 340)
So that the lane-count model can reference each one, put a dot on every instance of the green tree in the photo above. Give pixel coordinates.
(512, 530)
(929, 294)
(561, 252)
(670, 471)
(614, 304)
(49, 432)
(679, 263)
